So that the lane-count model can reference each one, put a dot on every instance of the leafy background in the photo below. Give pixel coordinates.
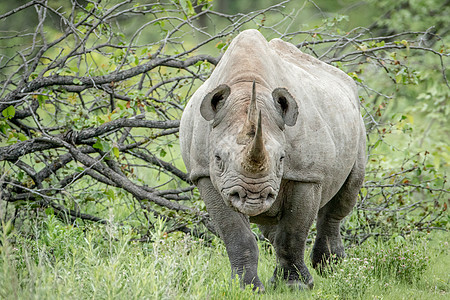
(92, 92)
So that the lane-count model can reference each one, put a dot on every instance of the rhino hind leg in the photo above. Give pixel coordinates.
(234, 230)
(328, 246)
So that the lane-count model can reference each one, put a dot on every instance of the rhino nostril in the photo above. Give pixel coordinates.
(234, 195)
(237, 195)
(268, 194)
(271, 197)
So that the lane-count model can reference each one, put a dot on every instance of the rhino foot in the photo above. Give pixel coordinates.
(259, 288)
(300, 284)
(257, 285)
(294, 280)
(325, 254)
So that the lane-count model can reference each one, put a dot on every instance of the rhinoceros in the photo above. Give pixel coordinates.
(275, 137)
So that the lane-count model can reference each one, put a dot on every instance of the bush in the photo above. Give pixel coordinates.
(397, 260)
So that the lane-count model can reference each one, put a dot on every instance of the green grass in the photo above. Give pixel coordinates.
(98, 262)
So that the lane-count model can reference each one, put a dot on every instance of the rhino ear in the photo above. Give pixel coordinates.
(286, 105)
(214, 101)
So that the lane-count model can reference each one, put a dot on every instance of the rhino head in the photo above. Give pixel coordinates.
(247, 143)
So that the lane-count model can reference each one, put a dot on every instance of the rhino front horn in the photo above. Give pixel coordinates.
(256, 154)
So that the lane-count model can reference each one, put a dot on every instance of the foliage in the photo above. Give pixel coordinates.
(395, 260)
(88, 263)
(400, 261)
(92, 93)
(385, 265)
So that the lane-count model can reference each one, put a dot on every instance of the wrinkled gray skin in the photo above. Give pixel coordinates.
(294, 154)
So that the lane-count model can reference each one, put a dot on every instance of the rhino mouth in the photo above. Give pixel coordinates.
(250, 203)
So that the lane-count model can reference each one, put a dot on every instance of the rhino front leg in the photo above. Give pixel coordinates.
(234, 229)
(302, 202)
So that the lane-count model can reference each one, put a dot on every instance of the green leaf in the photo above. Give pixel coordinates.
(22, 137)
(49, 211)
(376, 144)
(41, 99)
(4, 127)
(190, 8)
(102, 145)
(187, 7)
(9, 112)
(77, 81)
(220, 45)
(98, 145)
(116, 152)
(12, 139)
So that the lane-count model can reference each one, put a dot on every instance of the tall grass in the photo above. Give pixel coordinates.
(97, 262)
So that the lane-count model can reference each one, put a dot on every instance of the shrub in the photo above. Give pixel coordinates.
(400, 259)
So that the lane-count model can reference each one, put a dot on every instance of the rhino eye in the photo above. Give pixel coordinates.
(219, 162)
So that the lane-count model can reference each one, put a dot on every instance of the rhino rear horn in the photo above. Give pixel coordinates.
(214, 101)
(286, 106)
(252, 114)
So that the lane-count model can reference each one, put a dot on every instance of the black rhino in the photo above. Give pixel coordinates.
(275, 137)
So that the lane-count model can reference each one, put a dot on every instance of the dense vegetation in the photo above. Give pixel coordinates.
(94, 198)
(98, 262)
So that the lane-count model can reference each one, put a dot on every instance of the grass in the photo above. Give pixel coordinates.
(98, 262)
